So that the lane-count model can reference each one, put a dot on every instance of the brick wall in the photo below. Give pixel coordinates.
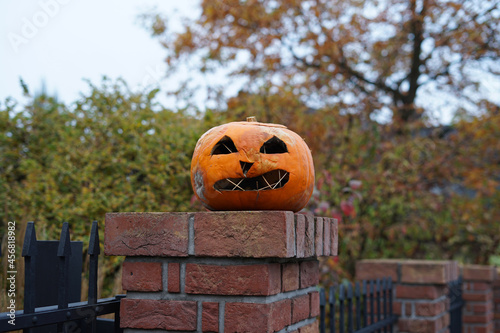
(421, 292)
(220, 271)
(496, 302)
(478, 292)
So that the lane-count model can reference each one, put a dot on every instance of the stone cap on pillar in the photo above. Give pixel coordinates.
(411, 271)
(480, 273)
(244, 234)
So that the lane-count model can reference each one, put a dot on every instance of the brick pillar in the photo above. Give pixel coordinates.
(220, 271)
(478, 314)
(421, 290)
(496, 302)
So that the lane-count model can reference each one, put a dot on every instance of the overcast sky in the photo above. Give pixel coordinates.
(63, 42)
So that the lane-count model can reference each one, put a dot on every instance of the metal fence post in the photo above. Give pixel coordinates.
(29, 253)
(63, 252)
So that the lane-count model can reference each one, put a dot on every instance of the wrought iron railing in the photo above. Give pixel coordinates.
(65, 315)
(366, 307)
(456, 304)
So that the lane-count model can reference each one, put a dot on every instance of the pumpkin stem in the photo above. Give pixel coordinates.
(251, 119)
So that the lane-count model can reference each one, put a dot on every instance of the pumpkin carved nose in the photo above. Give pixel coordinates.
(245, 166)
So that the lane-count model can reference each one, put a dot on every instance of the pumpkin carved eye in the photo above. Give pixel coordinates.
(224, 146)
(274, 146)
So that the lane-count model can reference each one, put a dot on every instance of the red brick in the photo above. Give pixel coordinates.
(484, 287)
(281, 314)
(146, 234)
(425, 272)
(454, 272)
(327, 245)
(290, 279)
(310, 328)
(210, 317)
(318, 238)
(481, 286)
(419, 292)
(479, 273)
(262, 280)
(305, 235)
(334, 237)
(257, 234)
(418, 325)
(246, 317)
(142, 276)
(429, 309)
(309, 240)
(174, 277)
(481, 329)
(477, 297)
(482, 308)
(408, 309)
(158, 314)
(314, 304)
(377, 268)
(476, 319)
(443, 321)
(309, 273)
(300, 232)
(397, 308)
(301, 308)
(255, 317)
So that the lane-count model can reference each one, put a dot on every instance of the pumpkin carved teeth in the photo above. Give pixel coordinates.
(271, 180)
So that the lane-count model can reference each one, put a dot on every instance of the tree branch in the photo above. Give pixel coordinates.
(417, 29)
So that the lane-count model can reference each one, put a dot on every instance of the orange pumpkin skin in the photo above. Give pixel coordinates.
(231, 168)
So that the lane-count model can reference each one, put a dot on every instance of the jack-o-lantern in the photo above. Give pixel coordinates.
(252, 166)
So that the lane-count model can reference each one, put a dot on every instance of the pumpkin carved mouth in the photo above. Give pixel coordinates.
(271, 180)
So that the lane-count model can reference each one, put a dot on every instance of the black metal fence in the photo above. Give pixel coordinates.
(456, 304)
(52, 288)
(365, 308)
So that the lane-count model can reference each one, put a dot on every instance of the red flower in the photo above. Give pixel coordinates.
(347, 207)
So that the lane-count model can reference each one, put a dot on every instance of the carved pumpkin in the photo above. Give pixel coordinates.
(252, 166)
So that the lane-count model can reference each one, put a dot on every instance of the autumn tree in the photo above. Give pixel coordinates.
(330, 70)
(364, 56)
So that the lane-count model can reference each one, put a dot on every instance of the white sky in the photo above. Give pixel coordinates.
(63, 42)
